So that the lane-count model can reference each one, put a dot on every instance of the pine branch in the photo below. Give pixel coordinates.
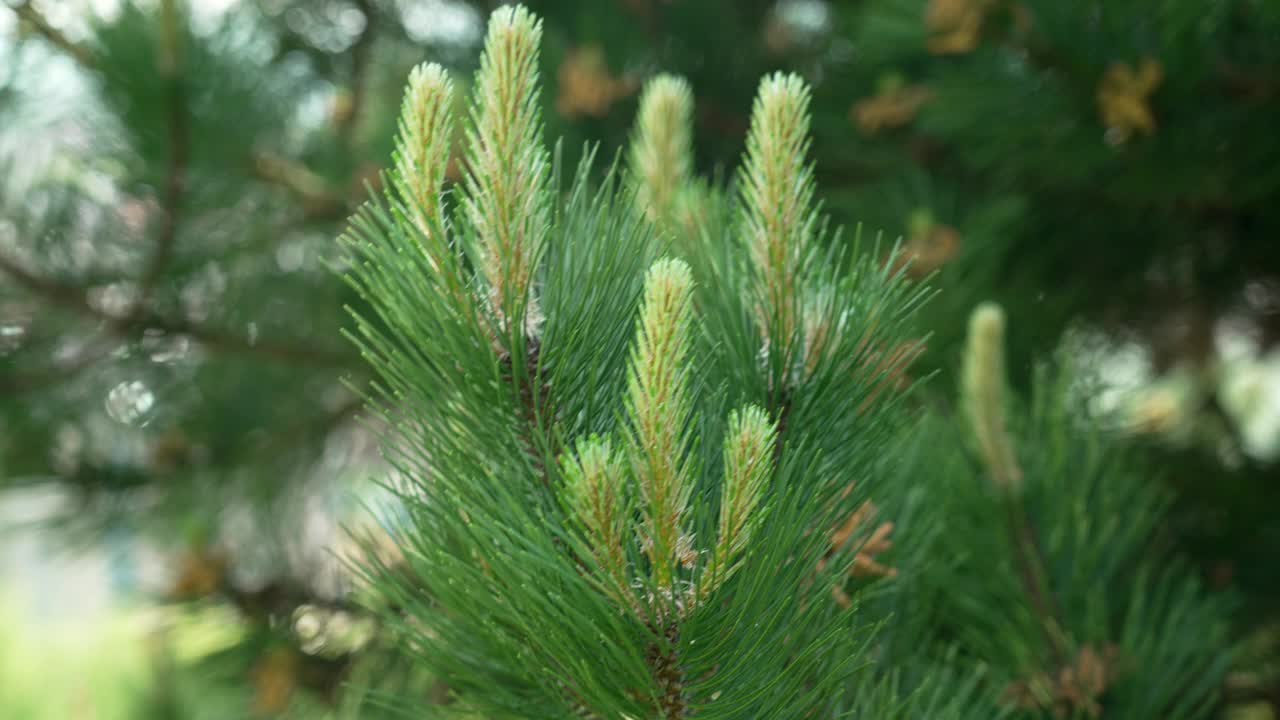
(360, 54)
(984, 401)
(668, 675)
(508, 167)
(170, 70)
(75, 299)
(25, 382)
(661, 153)
(593, 476)
(1032, 562)
(749, 457)
(68, 296)
(984, 396)
(220, 340)
(535, 408)
(423, 144)
(28, 13)
(318, 199)
(659, 411)
(1245, 690)
(1252, 83)
(777, 207)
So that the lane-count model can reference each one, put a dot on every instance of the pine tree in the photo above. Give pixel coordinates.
(171, 373)
(661, 498)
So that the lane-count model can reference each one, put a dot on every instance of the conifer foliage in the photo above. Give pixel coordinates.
(600, 519)
(661, 446)
(656, 461)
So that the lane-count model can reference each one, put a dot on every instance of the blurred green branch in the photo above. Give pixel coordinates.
(21, 382)
(75, 298)
(360, 52)
(38, 22)
(178, 139)
(318, 198)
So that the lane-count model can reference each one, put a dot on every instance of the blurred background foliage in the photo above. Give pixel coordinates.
(176, 399)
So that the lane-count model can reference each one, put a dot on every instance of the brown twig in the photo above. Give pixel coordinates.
(665, 664)
(1248, 82)
(75, 299)
(318, 199)
(1031, 563)
(25, 382)
(360, 53)
(220, 340)
(1245, 690)
(535, 407)
(68, 296)
(55, 37)
(170, 67)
